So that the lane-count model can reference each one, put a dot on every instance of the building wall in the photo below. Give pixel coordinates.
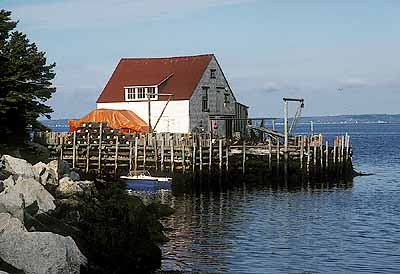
(217, 88)
(175, 118)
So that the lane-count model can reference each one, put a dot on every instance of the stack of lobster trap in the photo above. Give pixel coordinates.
(97, 133)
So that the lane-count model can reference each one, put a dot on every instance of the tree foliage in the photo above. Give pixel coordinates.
(25, 82)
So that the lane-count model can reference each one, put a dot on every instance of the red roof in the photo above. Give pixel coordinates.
(182, 75)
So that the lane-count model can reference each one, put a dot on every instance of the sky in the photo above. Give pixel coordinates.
(267, 49)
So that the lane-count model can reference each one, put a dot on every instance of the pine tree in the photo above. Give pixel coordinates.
(25, 82)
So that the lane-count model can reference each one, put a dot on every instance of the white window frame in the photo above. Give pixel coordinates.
(129, 98)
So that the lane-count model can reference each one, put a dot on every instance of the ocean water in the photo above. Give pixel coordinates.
(346, 228)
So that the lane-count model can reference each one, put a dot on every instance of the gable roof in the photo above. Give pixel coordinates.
(175, 75)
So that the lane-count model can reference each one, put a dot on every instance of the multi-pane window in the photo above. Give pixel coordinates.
(130, 94)
(205, 107)
(141, 93)
(151, 92)
(226, 98)
(212, 73)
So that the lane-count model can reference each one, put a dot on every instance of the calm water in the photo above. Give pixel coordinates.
(347, 228)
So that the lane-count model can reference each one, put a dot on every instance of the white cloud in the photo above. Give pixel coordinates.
(78, 13)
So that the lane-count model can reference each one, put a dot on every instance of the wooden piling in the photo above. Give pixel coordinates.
(244, 157)
(87, 153)
(116, 155)
(301, 152)
(220, 155)
(326, 155)
(74, 150)
(162, 151)
(194, 155)
(183, 157)
(172, 156)
(144, 151)
(227, 157)
(100, 144)
(136, 152)
(210, 154)
(270, 153)
(201, 153)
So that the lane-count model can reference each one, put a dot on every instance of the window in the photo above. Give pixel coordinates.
(212, 73)
(205, 100)
(226, 98)
(141, 93)
(151, 92)
(130, 94)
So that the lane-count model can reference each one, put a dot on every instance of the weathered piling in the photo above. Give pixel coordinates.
(306, 155)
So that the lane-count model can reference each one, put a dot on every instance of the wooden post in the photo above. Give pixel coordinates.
(136, 152)
(273, 124)
(301, 152)
(342, 149)
(227, 157)
(201, 153)
(220, 155)
(162, 151)
(327, 155)
(194, 154)
(334, 151)
(116, 155)
(172, 156)
(87, 153)
(308, 154)
(210, 154)
(155, 150)
(144, 150)
(244, 157)
(74, 151)
(100, 142)
(278, 155)
(321, 152)
(130, 154)
(62, 149)
(347, 147)
(270, 153)
(315, 154)
(183, 157)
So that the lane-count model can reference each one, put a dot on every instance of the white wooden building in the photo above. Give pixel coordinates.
(197, 83)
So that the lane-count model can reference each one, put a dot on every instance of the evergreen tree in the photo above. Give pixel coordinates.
(25, 82)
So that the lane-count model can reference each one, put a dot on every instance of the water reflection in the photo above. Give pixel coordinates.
(241, 228)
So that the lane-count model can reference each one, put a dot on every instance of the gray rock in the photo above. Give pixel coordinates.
(60, 167)
(45, 175)
(2, 272)
(23, 194)
(68, 188)
(16, 166)
(74, 176)
(37, 252)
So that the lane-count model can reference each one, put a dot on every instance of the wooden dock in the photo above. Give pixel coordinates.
(200, 153)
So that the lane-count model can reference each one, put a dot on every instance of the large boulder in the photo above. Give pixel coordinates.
(15, 166)
(45, 175)
(68, 188)
(23, 192)
(60, 167)
(38, 252)
(2, 272)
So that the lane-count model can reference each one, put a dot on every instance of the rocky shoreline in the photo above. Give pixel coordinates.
(52, 222)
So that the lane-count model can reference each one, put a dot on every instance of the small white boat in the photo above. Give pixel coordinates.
(142, 180)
